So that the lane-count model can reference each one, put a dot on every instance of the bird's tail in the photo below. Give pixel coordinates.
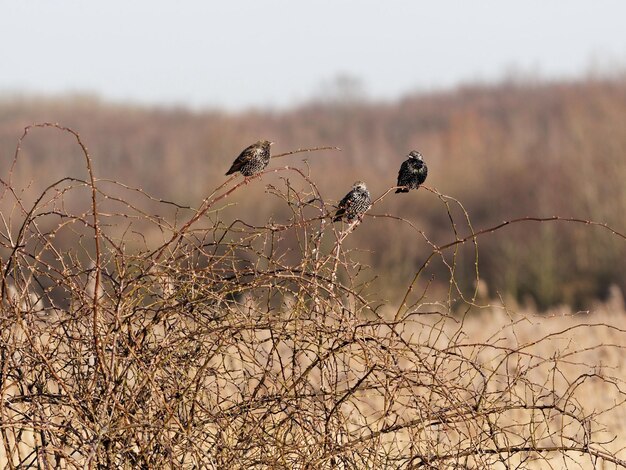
(402, 190)
(236, 166)
(338, 215)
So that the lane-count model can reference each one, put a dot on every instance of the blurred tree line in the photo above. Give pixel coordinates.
(505, 151)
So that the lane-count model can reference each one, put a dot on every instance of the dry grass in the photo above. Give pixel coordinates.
(183, 338)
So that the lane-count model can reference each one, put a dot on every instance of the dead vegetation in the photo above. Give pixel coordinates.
(177, 337)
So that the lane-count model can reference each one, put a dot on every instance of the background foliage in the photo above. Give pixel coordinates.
(516, 149)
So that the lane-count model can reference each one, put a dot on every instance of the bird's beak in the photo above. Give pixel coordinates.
(271, 143)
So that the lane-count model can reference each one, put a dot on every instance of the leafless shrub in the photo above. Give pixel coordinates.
(219, 344)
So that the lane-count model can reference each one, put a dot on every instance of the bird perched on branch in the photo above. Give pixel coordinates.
(413, 172)
(354, 204)
(252, 159)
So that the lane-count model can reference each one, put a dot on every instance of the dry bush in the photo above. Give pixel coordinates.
(221, 344)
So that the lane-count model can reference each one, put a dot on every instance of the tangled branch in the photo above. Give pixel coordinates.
(131, 340)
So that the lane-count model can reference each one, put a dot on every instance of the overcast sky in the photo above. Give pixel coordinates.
(237, 54)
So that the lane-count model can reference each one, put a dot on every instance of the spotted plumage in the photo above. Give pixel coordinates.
(253, 159)
(354, 204)
(413, 172)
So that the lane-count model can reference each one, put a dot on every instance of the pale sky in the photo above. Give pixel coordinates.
(237, 54)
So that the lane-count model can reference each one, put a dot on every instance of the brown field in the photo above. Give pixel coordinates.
(238, 328)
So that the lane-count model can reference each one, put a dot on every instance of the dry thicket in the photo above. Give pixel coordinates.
(159, 335)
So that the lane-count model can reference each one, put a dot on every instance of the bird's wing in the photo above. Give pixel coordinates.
(244, 157)
(247, 154)
(343, 205)
(403, 169)
(346, 201)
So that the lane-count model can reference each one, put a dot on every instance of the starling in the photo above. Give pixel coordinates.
(253, 159)
(413, 172)
(354, 204)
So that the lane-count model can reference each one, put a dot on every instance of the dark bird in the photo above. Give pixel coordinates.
(413, 172)
(253, 159)
(354, 204)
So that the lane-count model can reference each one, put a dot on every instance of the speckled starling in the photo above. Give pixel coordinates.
(413, 172)
(253, 159)
(354, 204)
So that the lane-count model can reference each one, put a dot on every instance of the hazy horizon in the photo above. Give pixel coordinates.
(272, 55)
